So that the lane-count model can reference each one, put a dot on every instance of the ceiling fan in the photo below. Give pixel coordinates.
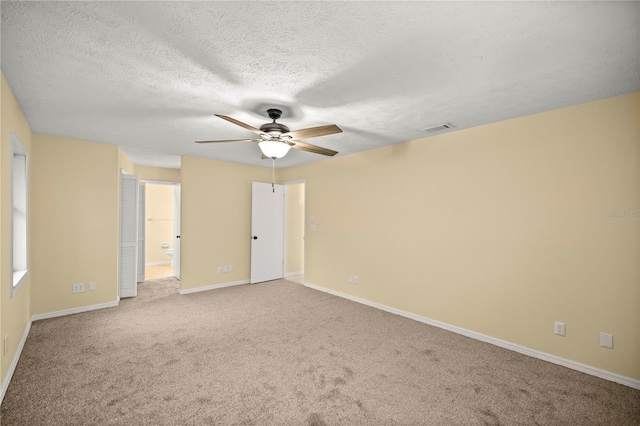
(276, 139)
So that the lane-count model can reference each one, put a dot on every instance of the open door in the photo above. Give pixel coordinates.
(175, 260)
(128, 262)
(267, 232)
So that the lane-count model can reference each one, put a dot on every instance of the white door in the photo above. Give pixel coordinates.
(267, 232)
(141, 231)
(175, 260)
(128, 236)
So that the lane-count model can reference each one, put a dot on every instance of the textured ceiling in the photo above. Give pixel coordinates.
(149, 76)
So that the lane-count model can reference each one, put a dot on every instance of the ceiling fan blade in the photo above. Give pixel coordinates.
(312, 148)
(313, 132)
(241, 124)
(231, 140)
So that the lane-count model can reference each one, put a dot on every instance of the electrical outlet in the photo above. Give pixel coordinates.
(606, 340)
(92, 286)
(77, 288)
(559, 328)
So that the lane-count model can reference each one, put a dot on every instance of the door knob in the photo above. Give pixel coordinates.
(255, 238)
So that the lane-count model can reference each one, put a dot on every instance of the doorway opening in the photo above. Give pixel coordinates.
(161, 224)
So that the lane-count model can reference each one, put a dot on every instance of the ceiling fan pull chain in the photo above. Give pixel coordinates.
(273, 174)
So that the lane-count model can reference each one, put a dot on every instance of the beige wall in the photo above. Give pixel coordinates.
(294, 228)
(75, 222)
(500, 229)
(158, 222)
(216, 220)
(157, 173)
(14, 311)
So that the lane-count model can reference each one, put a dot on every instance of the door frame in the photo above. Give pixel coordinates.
(304, 221)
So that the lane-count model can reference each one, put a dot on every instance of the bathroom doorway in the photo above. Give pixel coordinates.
(161, 220)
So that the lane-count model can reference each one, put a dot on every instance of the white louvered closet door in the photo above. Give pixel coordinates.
(141, 231)
(128, 235)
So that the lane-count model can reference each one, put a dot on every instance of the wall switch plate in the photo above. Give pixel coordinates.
(312, 227)
(225, 269)
(77, 288)
(92, 286)
(219, 269)
(559, 328)
(355, 279)
(230, 268)
(351, 278)
(606, 340)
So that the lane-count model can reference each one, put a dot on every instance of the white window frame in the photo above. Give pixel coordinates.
(19, 203)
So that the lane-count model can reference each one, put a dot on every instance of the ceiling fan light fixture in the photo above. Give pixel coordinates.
(274, 149)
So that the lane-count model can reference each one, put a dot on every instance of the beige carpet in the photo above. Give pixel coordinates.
(278, 353)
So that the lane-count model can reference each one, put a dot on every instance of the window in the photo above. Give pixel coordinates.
(19, 216)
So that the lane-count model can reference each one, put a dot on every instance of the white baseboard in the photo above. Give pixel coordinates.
(212, 287)
(167, 262)
(587, 369)
(14, 362)
(291, 274)
(74, 311)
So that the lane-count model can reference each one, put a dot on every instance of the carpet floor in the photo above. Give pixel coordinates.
(279, 353)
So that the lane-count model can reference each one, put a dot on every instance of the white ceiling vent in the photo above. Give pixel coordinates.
(439, 128)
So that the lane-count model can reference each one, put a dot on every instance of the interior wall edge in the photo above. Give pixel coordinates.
(14, 362)
(15, 308)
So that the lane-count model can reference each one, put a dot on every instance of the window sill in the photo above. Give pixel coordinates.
(19, 277)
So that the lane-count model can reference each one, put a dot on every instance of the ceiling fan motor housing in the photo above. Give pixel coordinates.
(274, 127)
(274, 114)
